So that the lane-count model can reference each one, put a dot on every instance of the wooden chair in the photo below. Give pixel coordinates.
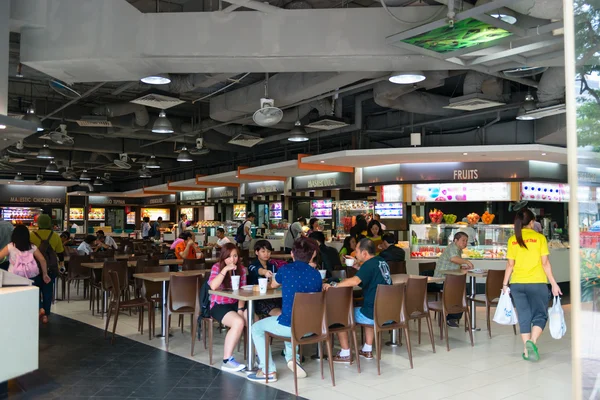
(417, 307)
(493, 288)
(183, 300)
(152, 291)
(77, 273)
(339, 310)
(105, 283)
(397, 267)
(309, 326)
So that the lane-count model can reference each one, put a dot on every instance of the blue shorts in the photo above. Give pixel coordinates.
(359, 317)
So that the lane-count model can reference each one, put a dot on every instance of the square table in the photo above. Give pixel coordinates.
(165, 277)
(281, 256)
(473, 283)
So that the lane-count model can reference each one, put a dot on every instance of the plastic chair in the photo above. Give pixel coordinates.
(183, 300)
(417, 307)
(193, 264)
(454, 300)
(116, 305)
(152, 291)
(390, 314)
(426, 266)
(76, 273)
(493, 288)
(340, 315)
(105, 284)
(309, 326)
(397, 267)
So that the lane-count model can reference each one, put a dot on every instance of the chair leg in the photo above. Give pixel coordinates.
(515, 329)
(329, 352)
(489, 324)
(150, 320)
(378, 341)
(468, 320)
(430, 328)
(142, 320)
(68, 293)
(210, 342)
(115, 325)
(408, 347)
(204, 331)
(168, 330)
(296, 367)
(440, 318)
(181, 322)
(419, 328)
(356, 349)
(447, 338)
(194, 332)
(320, 347)
(108, 315)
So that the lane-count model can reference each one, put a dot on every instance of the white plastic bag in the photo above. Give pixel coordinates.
(505, 311)
(556, 319)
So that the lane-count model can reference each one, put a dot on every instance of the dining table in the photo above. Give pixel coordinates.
(163, 278)
(130, 263)
(473, 275)
(281, 256)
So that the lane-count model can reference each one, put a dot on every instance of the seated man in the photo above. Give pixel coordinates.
(391, 252)
(330, 261)
(374, 271)
(296, 277)
(105, 242)
(221, 238)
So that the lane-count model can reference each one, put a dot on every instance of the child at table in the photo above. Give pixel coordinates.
(225, 310)
(262, 267)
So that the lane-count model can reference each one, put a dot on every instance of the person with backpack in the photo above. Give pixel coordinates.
(155, 229)
(293, 233)
(51, 247)
(22, 256)
(243, 236)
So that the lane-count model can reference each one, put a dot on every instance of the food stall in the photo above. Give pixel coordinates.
(163, 206)
(20, 204)
(117, 216)
(222, 198)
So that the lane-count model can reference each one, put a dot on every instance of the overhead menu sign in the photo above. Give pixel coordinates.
(112, 201)
(332, 180)
(481, 191)
(222, 193)
(194, 195)
(267, 187)
(40, 195)
(159, 200)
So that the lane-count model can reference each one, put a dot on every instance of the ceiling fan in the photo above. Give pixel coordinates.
(267, 114)
(60, 136)
(122, 161)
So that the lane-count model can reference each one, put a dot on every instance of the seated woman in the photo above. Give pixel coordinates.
(347, 249)
(187, 249)
(261, 267)
(229, 312)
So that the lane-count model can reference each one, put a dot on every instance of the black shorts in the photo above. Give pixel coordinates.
(219, 311)
(264, 307)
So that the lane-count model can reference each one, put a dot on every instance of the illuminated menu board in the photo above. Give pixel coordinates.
(239, 211)
(321, 208)
(76, 214)
(443, 192)
(154, 213)
(96, 214)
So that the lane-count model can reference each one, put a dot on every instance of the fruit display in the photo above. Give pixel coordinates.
(449, 218)
(20, 213)
(417, 220)
(473, 218)
(436, 216)
(487, 218)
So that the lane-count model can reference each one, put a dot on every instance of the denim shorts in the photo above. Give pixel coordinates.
(359, 318)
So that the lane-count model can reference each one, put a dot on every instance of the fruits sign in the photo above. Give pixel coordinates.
(440, 192)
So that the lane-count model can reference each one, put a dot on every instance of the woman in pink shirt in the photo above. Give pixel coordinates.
(229, 312)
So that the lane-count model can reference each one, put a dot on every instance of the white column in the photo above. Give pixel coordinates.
(4, 55)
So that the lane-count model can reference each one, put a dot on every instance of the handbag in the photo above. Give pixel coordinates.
(505, 311)
(556, 319)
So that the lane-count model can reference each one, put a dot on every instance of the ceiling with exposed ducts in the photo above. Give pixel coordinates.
(323, 63)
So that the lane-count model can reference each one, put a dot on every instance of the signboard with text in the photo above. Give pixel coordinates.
(267, 187)
(333, 180)
(481, 191)
(222, 193)
(39, 195)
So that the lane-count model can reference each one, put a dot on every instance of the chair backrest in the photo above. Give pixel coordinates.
(144, 262)
(308, 316)
(455, 290)
(118, 266)
(75, 269)
(193, 264)
(493, 284)
(115, 295)
(389, 304)
(150, 289)
(426, 266)
(107, 253)
(416, 296)
(341, 274)
(339, 307)
(397, 267)
(183, 291)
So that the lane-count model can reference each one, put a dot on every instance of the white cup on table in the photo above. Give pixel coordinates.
(235, 282)
(323, 273)
(349, 262)
(262, 285)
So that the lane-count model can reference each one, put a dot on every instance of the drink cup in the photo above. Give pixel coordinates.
(274, 274)
(235, 282)
(349, 262)
(323, 273)
(262, 285)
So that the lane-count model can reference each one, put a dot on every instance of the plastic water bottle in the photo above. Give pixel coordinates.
(214, 252)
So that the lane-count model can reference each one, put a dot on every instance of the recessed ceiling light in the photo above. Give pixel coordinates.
(464, 154)
(322, 162)
(156, 80)
(2, 126)
(406, 78)
(543, 154)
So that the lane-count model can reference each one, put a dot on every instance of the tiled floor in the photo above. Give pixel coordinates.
(493, 369)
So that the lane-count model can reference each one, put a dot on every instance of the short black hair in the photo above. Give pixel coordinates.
(221, 230)
(146, 219)
(89, 239)
(389, 237)
(251, 215)
(302, 220)
(304, 249)
(366, 245)
(459, 235)
(312, 222)
(159, 219)
(20, 238)
(182, 215)
(186, 235)
(100, 232)
(318, 236)
(262, 244)
(66, 234)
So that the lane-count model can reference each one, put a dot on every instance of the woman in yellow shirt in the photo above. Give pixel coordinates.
(374, 233)
(529, 271)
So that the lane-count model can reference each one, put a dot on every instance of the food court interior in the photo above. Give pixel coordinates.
(431, 117)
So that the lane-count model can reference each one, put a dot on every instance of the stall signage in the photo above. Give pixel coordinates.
(166, 199)
(21, 194)
(111, 201)
(333, 180)
(222, 192)
(264, 187)
(480, 191)
(193, 195)
(464, 172)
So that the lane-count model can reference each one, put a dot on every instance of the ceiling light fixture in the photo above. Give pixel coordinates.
(31, 117)
(465, 154)
(509, 19)
(298, 133)
(45, 153)
(144, 173)
(19, 177)
(543, 154)
(528, 105)
(52, 168)
(156, 80)
(152, 163)
(84, 176)
(98, 182)
(184, 155)
(2, 126)
(407, 78)
(162, 124)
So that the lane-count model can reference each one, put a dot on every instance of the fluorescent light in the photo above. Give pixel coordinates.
(184, 155)
(156, 80)
(2, 126)
(406, 78)
(45, 153)
(464, 154)
(543, 154)
(162, 124)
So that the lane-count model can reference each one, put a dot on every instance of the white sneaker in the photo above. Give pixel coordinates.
(300, 372)
(233, 366)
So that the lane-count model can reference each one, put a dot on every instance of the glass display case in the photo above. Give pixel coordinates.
(485, 241)
(347, 211)
(20, 214)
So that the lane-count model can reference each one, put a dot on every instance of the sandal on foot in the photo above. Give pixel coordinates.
(525, 357)
(532, 350)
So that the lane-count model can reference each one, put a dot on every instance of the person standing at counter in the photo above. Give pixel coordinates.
(529, 271)
(247, 231)
(182, 223)
(374, 234)
(52, 249)
(451, 260)
(390, 251)
(6, 229)
(156, 227)
(293, 233)
(105, 242)
(146, 228)
(313, 226)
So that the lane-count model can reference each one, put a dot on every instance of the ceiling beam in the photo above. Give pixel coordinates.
(515, 50)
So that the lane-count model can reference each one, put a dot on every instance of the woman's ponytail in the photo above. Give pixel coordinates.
(523, 218)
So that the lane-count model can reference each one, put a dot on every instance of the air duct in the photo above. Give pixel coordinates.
(543, 9)
(183, 83)
(552, 85)
(116, 110)
(477, 82)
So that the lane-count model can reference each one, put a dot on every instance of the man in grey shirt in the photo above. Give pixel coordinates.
(6, 229)
(293, 233)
